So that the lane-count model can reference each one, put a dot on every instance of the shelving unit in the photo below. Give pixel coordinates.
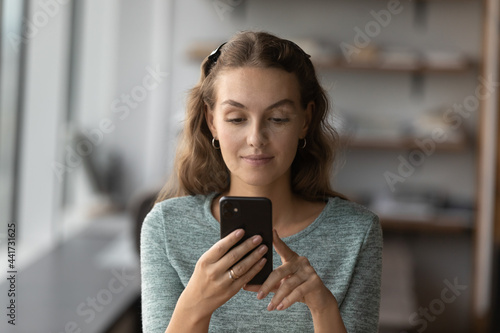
(439, 224)
(407, 143)
(419, 67)
(198, 50)
(443, 221)
(410, 82)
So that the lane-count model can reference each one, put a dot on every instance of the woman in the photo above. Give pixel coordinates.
(256, 126)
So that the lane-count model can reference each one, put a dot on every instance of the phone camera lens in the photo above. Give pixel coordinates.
(227, 210)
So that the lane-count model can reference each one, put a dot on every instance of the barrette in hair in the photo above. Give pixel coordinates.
(304, 52)
(212, 59)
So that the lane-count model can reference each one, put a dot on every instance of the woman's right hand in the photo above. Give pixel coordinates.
(211, 284)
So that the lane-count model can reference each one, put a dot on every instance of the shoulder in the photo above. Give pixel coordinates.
(180, 204)
(350, 218)
(174, 209)
(350, 212)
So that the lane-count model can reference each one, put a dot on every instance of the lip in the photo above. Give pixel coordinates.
(257, 159)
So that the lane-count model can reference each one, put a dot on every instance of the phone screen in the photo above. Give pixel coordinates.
(254, 215)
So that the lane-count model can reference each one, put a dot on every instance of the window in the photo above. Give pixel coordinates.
(11, 53)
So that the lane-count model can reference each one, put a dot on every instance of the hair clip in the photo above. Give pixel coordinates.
(212, 59)
(298, 47)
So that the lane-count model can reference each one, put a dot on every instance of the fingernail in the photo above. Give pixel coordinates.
(239, 233)
(270, 306)
(280, 307)
(263, 249)
(261, 295)
(256, 239)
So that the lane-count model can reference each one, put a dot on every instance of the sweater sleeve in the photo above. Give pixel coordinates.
(360, 307)
(160, 283)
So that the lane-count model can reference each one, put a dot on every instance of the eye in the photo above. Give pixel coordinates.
(280, 120)
(235, 120)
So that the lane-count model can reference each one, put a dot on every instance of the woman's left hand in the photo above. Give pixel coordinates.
(294, 281)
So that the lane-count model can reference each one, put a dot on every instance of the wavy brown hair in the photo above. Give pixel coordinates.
(200, 169)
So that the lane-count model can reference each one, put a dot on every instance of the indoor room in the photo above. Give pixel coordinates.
(93, 100)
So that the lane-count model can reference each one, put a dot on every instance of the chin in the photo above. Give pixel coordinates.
(258, 181)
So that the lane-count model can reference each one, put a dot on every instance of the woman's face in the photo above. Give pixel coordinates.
(258, 120)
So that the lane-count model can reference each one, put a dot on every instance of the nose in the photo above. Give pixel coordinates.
(257, 136)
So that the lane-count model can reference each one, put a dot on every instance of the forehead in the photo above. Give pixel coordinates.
(257, 87)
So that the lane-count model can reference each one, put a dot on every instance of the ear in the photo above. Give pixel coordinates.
(307, 118)
(209, 117)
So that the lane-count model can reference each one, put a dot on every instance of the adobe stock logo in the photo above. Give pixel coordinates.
(92, 307)
(454, 117)
(40, 18)
(120, 109)
(225, 6)
(437, 306)
(373, 28)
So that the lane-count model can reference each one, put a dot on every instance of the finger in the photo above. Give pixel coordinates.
(282, 249)
(249, 275)
(235, 254)
(285, 290)
(244, 265)
(275, 279)
(296, 295)
(219, 249)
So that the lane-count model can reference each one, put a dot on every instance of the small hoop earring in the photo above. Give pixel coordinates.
(213, 144)
(304, 144)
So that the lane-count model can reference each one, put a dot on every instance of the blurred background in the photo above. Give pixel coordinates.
(92, 97)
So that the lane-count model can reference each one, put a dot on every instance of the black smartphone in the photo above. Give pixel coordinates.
(254, 215)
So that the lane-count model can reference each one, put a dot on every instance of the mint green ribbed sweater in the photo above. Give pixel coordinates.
(344, 245)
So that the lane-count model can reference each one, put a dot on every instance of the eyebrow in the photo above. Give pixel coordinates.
(282, 102)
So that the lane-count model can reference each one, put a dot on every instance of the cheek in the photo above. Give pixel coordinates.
(288, 135)
(229, 141)
(228, 136)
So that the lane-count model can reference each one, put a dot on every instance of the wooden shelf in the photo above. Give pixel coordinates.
(199, 50)
(379, 66)
(399, 144)
(439, 224)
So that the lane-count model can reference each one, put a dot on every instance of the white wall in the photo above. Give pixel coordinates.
(47, 57)
(122, 43)
(94, 79)
(141, 137)
(9, 93)
(125, 78)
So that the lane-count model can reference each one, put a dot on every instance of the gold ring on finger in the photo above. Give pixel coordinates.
(233, 275)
